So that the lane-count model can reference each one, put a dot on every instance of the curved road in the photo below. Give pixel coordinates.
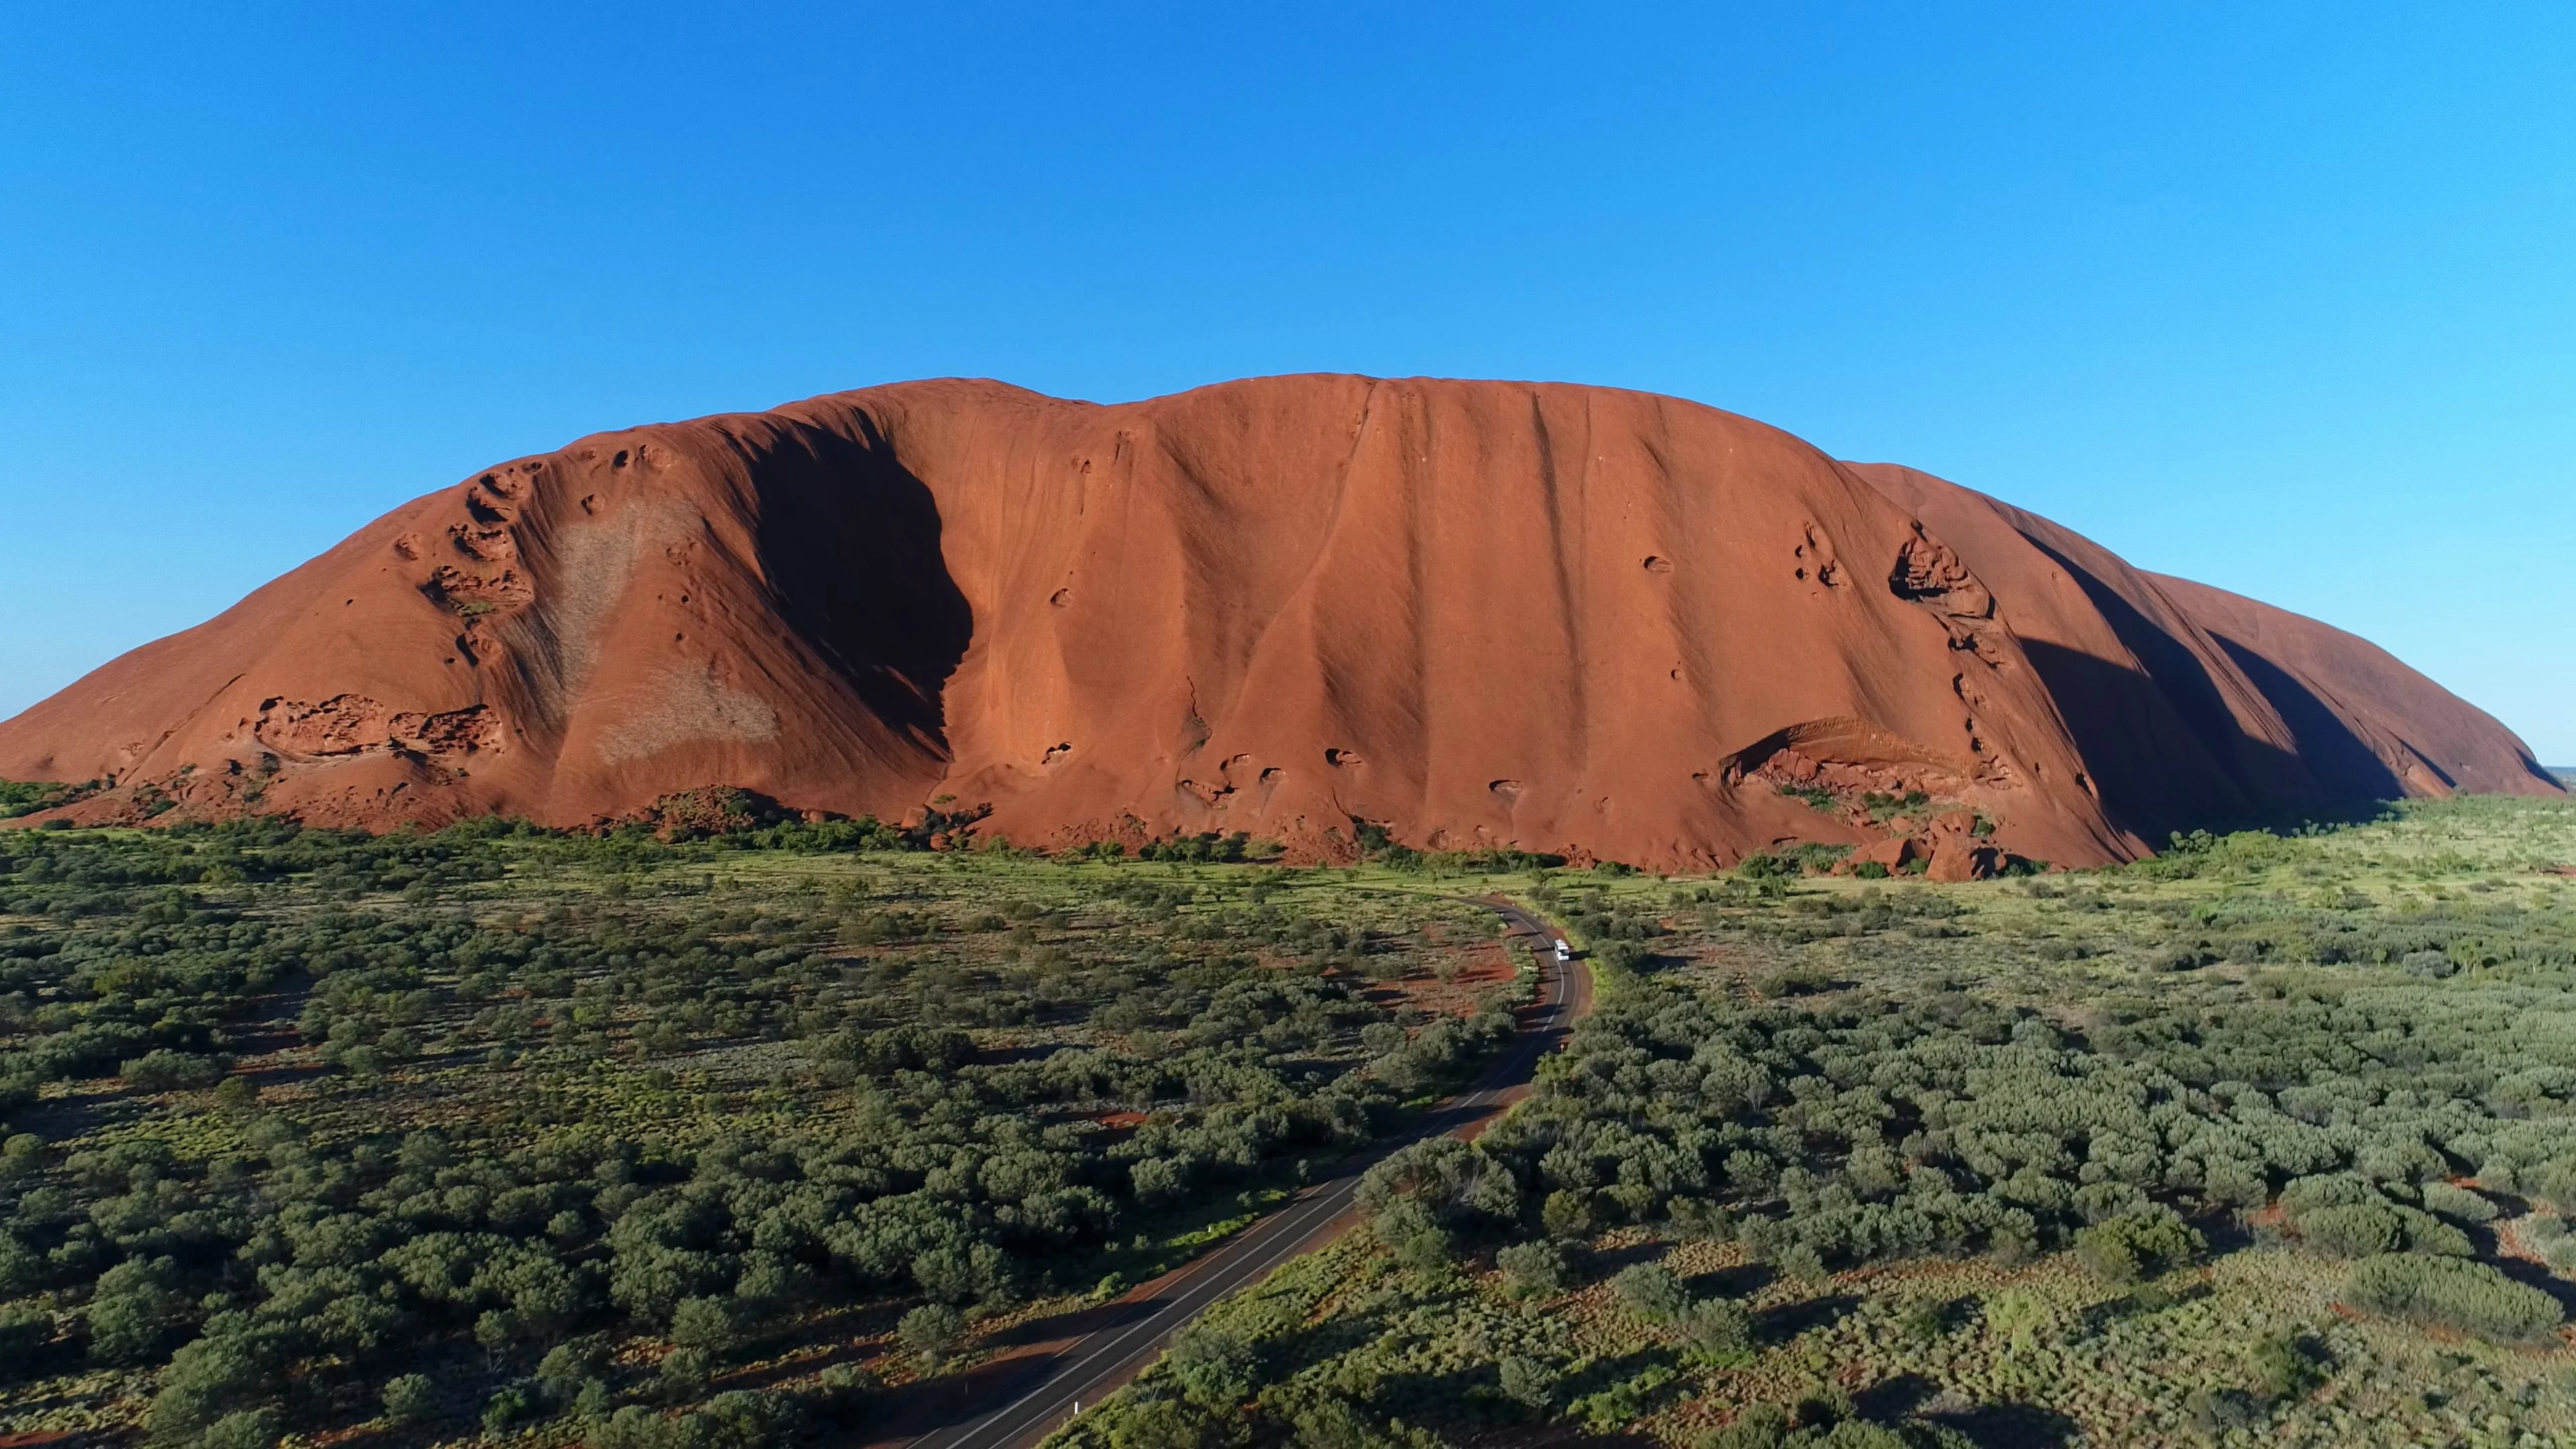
(1048, 1390)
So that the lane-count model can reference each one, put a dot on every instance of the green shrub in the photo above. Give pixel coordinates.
(1699, 1220)
(2218, 1412)
(242, 1429)
(738, 1419)
(2138, 1244)
(843, 1392)
(2358, 1230)
(165, 1070)
(135, 1311)
(707, 1323)
(2349, 1218)
(1717, 1332)
(1213, 1367)
(1537, 1268)
(2456, 1293)
(1410, 1231)
(1171, 1424)
(25, 1328)
(568, 1365)
(410, 1399)
(1567, 1214)
(505, 1408)
(683, 1374)
(1528, 1382)
(632, 1427)
(1650, 1291)
(931, 1331)
(2286, 1367)
(2458, 1203)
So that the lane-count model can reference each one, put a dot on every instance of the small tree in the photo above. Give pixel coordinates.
(706, 1323)
(505, 1408)
(684, 1373)
(242, 1429)
(2138, 1245)
(1213, 1367)
(569, 1365)
(1650, 1291)
(931, 1331)
(2285, 1367)
(135, 1310)
(1717, 1332)
(1528, 1382)
(1537, 1268)
(410, 1399)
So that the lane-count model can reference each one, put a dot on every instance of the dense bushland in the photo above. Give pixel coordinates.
(293, 1113)
(2273, 1134)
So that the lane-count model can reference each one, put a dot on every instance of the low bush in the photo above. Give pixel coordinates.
(2453, 1293)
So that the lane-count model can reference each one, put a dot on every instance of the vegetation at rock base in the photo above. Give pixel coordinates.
(21, 797)
(743, 1139)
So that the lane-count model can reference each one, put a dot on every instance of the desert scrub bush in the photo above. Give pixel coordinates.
(26, 797)
(2452, 1201)
(1651, 1292)
(2346, 1216)
(2287, 1366)
(163, 1070)
(410, 1399)
(1212, 1367)
(1534, 1268)
(2138, 1244)
(1717, 1333)
(2451, 1293)
(1527, 1382)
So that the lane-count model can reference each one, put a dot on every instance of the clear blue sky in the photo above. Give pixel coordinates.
(2282, 297)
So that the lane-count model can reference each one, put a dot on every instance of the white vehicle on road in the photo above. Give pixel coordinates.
(1564, 952)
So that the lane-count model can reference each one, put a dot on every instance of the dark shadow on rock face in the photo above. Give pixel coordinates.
(2342, 765)
(2157, 785)
(2179, 675)
(850, 540)
(2153, 774)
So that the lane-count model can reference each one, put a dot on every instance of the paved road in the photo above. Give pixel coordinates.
(1090, 1368)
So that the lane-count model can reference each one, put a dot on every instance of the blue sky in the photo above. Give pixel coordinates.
(2281, 297)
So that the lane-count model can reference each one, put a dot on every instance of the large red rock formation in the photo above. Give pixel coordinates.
(2195, 705)
(1556, 618)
